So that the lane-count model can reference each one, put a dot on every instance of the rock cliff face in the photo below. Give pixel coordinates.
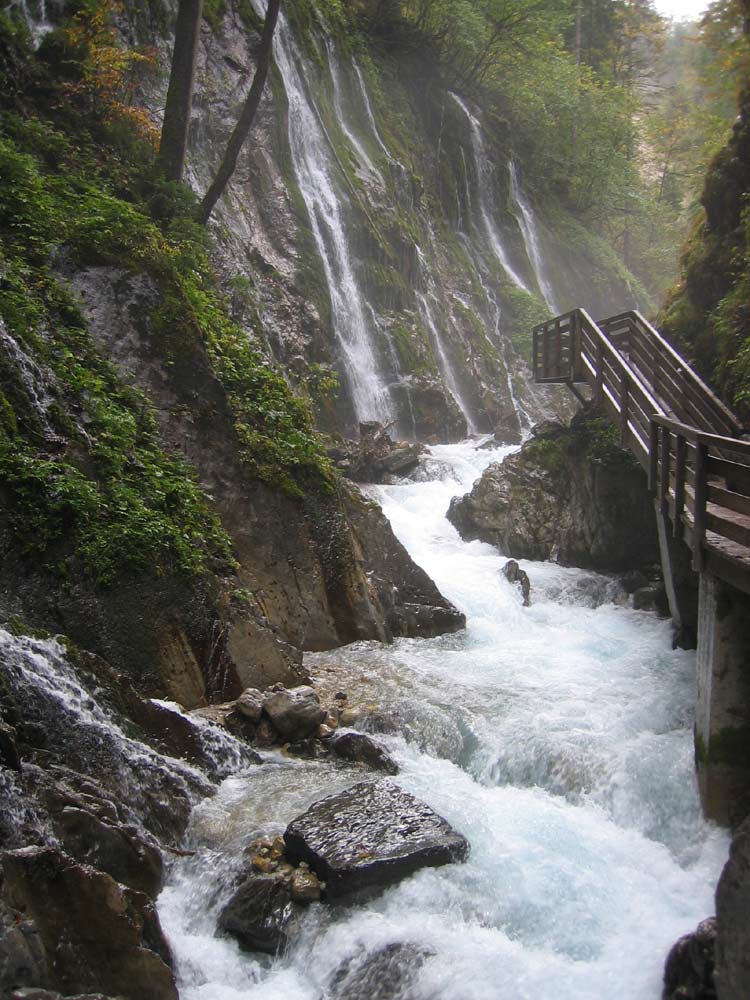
(570, 494)
(366, 229)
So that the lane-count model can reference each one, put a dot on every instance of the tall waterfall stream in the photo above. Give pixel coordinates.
(556, 738)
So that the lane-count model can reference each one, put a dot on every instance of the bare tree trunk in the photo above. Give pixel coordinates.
(174, 132)
(244, 124)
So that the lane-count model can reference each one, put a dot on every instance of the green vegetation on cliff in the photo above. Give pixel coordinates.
(81, 462)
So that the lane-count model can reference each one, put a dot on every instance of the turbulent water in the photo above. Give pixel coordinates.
(557, 738)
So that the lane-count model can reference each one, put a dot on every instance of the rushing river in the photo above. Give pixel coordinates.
(557, 738)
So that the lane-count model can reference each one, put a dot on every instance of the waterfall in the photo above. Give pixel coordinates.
(316, 173)
(428, 302)
(338, 105)
(48, 690)
(530, 231)
(557, 738)
(35, 381)
(371, 116)
(485, 191)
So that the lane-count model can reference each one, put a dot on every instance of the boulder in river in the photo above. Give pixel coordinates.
(295, 712)
(514, 574)
(385, 974)
(733, 926)
(361, 749)
(370, 836)
(689, 970)
(259, 913)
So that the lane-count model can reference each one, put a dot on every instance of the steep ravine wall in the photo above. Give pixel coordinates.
(419, 217)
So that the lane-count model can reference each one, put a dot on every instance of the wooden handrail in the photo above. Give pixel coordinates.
(669, 419)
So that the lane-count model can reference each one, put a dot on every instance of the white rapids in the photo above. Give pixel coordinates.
(557, 738)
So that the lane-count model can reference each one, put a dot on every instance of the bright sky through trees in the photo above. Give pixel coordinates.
(681, 9)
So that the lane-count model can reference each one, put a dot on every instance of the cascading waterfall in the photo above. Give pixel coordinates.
(485, 187)
(530, 231)
(316, 172)
(557, 738)
(338, 104)
(371, 117)
(428, 302)
(488, 233)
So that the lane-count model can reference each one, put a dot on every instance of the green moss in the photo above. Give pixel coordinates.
(213, 13)
(526, 311)
(110, 500)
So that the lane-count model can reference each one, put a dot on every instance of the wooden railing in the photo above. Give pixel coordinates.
(680, 432)
(573, 349)
(703, 480)
(671, 378)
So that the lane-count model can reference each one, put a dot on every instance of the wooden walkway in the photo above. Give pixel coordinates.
(683, 436)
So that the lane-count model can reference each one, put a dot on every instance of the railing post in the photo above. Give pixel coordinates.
(575, 354)
(545, 352)
(599, 390)
(655, 376)
(701, 499)
(624, 412)
(653, 455)
(679, 484)
(664, 475)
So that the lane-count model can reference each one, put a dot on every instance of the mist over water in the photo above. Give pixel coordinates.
(557, 738)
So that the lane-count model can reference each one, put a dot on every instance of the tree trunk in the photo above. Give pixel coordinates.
(174, 132)
(244, 124)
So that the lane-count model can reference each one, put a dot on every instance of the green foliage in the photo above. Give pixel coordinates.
(109, 500)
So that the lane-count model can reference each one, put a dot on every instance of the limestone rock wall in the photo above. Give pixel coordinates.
(570, 494)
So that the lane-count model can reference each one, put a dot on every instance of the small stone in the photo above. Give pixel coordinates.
(263, 864)
(340, 696)
(324, 731)
(278, 847)
(361, 749)
(294, 712)
(250, 704)
(304, 886)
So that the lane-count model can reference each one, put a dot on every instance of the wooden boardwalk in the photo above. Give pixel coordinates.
(684, 437)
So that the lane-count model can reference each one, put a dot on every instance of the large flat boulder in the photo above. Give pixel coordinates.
(370, 836)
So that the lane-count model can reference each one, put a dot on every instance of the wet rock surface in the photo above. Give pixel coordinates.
(94, 934)
(569, 495)
(375, 457)
(689, 970)
(514, 574)
(295, 712)
(733, 926)
(259, 914)
(386, 974)
(370, 836)
(361, 749)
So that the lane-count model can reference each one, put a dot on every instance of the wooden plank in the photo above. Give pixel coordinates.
(699, 530)
(729, 524)
(653, 455)
(737, 476)
(679, 484)
(729, 499)
(665, 463)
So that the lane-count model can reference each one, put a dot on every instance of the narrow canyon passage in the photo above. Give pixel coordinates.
(557, 738)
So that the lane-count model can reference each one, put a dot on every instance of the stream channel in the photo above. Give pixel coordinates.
(556, 738)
